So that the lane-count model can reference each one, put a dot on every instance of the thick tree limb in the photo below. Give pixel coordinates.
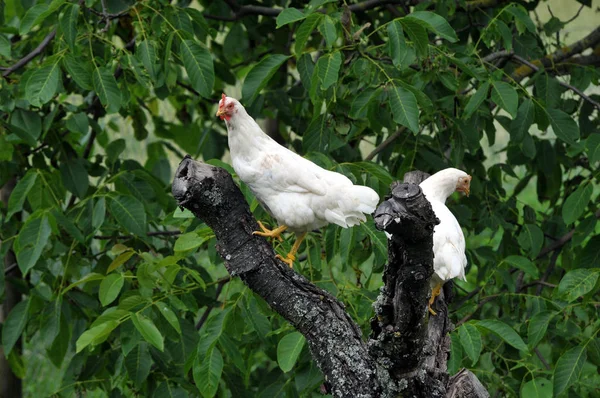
(334, 339)
(26, 59)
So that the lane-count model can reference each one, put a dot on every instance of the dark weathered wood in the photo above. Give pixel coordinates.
(334, 339)
(399, 330)
(465, 384)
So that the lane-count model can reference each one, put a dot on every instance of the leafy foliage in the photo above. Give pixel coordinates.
(125, 294)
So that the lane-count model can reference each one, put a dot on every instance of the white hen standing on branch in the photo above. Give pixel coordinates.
(449, 259)
(300, 195)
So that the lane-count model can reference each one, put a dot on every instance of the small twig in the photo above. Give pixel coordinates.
(26, 59)
(479, 306)
(548, 272)
(576, 15)
(542, 359)
(210, 307)
(8, 269)
(565, 85)
(240, 12)
(497, 55)
(153, 233)
(536, 283)
(560, 242)
(385, 143)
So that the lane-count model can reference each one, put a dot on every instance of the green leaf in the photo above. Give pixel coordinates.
(519, 127)
(79, 71)
(42, 84)
(306, 68)
(33, 17)
(397, 43)
(288, 350)
(130, 213)
(118, 261)
(404, 108)
(522, 18)
(107, 89)
(417, 33)
(328, 30)
(505, 332)
(537, 388)
(436, 24)
(532, 239)
(537, 327)
(68, 225)
(68, 24)
(375, 170)
(146, 53)
(14, 325)
(75, 177)
(523, 264)
(189, 241)
(505, 96)
(317, 137)
(27, 125)
(470, 339)
(304, 31)
(207, 373)
(138, 363)
(547, 88)
(563, 126)
(169, 315)
(260, 75)
(576, 203)
(99, 213)
(378, 238)
(288, 16)
(5, 47)
(360, 104)
(110, 288)
(477, 99)
(329, 69)
(578, 282)
(95, 335)
(19, 193)
(148, 330)
(199, 66)
(31, 242)
(568, 369)
(592, 145)
(88, 278)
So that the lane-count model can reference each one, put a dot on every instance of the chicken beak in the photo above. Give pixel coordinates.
(221, 112)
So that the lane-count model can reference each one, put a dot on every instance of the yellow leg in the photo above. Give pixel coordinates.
(268, 233)
(291, 256)
(434, 293)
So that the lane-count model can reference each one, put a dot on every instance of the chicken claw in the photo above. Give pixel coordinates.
(270, 233)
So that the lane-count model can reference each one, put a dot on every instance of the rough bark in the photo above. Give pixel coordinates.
(408, 350)
(400, 335)
(10, 384)
(334, 339)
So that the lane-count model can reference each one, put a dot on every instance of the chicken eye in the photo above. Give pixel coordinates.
(230, 106)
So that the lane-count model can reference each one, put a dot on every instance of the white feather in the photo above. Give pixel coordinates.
(296, 192)
(448, 239)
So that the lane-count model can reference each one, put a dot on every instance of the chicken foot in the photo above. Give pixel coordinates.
(291, 256)
(270, 233)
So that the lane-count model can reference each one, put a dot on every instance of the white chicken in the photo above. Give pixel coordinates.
(449, 259)
(300, 195)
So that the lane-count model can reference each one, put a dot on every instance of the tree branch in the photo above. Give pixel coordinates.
(385, 143)
(560, 55)
(26, 59)
(240, 12)
(565, 85)
(334, 339)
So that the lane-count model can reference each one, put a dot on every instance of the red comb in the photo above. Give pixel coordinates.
(223, 96)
